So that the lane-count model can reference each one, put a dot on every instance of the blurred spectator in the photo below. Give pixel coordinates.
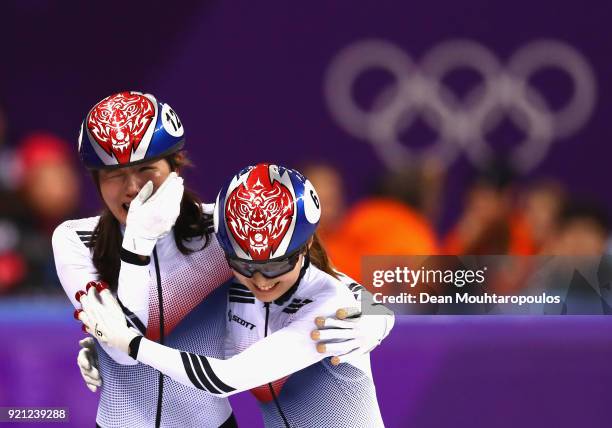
(48, 183)
(489, 224)
(582, 229)
(571, 228)
(7, 181)
(380, 225)
(418, 186)
(47, 192)
(581, 275)
(328, 182)
(541, 207)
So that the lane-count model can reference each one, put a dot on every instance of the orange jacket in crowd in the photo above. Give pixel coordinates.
(378, 226)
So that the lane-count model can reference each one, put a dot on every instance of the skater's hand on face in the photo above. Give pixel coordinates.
(152, 215)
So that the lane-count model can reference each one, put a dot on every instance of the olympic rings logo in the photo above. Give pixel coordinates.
(461, 124)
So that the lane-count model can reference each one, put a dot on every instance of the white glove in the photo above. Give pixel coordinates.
(351, 334)
(88, 364)
(104, 319)
(151, 217)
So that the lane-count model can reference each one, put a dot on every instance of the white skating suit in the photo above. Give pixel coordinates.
(175, 299)
(274, 356)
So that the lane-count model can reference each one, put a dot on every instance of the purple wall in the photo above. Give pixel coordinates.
(247, 78)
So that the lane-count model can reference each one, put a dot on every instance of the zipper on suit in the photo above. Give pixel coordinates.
(280, 411)
(160, 298)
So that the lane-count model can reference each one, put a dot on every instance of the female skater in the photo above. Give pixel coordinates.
(265, 219)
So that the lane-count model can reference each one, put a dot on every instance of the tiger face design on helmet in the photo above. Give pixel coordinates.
(127, 128)
(259, 213)
(266, 212)
(119, 122)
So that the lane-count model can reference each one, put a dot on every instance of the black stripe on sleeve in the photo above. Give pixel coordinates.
(87, 242)
(241, 300)
(86, 238)
(294, 307)
(240, 293)
(189, 371)
(292, 310)
(213, 377)
(238, 286)
(203, 379)
(299, 303)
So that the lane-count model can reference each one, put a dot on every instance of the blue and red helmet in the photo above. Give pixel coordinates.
(266, 212)
(129, 128)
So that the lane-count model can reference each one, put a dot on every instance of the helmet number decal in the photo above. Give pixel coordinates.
(315, 199)
(312, 205)
(81, 137)
(172, 123)
(172, 117)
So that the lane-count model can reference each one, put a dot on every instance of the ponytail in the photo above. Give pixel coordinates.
(106, 242)
(319, 257)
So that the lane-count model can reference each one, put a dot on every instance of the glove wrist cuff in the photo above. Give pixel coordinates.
(138, 245)
(134, 346)
(126, 340)
(133, 258)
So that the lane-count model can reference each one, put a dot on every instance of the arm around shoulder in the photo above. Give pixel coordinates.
(75, 269)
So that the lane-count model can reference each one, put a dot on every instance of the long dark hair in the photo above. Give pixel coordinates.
(192, 223)
(319, 258)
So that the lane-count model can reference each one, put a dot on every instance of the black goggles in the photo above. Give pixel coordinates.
(268, 268)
